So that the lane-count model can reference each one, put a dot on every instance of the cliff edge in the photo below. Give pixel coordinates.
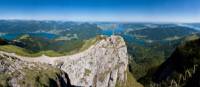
(102, 65)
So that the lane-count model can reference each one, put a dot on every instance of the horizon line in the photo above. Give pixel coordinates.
(93, 21)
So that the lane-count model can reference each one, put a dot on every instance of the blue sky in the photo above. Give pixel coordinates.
(102, 10)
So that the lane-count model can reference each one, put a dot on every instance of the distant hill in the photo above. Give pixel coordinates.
(163, 33)
(31, 46)
(83, 30)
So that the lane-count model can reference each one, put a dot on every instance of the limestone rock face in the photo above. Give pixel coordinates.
(102, 65)
(15, 72)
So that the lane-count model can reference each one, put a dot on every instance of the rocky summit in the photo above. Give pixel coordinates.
(104, 64)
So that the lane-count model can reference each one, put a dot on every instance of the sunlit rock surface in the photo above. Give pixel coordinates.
(102, 65)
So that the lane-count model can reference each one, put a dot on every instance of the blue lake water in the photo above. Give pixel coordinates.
(9, 36)
(120, 30)
(46, 35)
(13, 36)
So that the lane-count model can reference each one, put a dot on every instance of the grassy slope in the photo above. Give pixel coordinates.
(51, 53)
(130, 82)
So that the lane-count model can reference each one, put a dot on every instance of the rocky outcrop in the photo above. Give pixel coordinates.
(102, 65)
(17, 73)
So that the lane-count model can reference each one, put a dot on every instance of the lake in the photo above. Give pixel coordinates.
(12, 36)
(120, 30)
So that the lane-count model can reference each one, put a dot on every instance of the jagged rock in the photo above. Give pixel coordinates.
(102, 65)
(17, 73)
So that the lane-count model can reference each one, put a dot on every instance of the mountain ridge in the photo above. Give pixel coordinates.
(102, 65)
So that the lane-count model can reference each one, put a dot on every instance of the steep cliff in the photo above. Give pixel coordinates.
(102, 65)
